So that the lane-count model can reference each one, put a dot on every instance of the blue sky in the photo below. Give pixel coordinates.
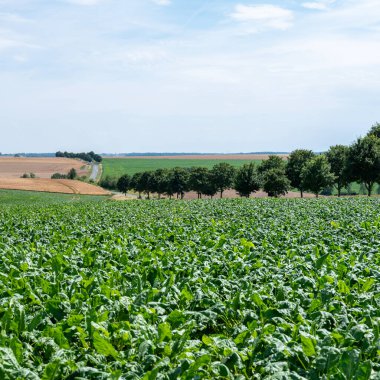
(187, 75)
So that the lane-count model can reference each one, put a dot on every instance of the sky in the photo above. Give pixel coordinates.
(187, 75)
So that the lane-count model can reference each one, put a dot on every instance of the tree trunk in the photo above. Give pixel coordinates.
(221, 194)
(317, 195)
(339, 191)
(301, 193)
(182, 195)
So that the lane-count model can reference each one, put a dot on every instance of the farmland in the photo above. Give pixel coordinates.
(64, 186)
(16, 197)
(116, 167)
(15, 167)
(229, 289)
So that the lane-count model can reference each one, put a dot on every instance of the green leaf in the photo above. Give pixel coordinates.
(103, 346)
(164, 332)
(308, 345)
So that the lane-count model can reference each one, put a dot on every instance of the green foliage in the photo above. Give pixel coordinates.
(296, 162)
(247, 180)
(72, 174)
(222, 176)
(337, 157)
(316, 175)
(229, 289)
(375, 130)
(273, 172)
(363, 162)
(199, 179)
(123, 184)
(275, 182)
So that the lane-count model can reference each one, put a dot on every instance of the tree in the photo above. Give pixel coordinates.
(247, 180)
(296, 162)
(273, 162)
(123, 183)
(136, 183)
(199, 177)
(275, 182)
(316, 175)
(160, 181)
(337, 158)
(178, 181)
(72, 174)
(222, 176)
(147, 183)
(363, 162)
(375, 130)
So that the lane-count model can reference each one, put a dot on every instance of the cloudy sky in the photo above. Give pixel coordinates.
(187, 75)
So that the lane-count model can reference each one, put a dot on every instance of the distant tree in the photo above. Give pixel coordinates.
(147, 183)
(136, 184)
(159, 181)
(296, 162)
(58, 176)
(375, 130)
(337, 157)
(72, 174)
(247, 180)
(209, 188)
(179, 181)
(316, 175)
(273, 173)
(59, 154)
(223, 176)
(25, 175)
(363, 162)
(123, 183)
(108, 183)
(198, 180)
(275, 182)
(273, 162)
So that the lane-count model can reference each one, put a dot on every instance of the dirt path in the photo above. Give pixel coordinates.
(94, 172)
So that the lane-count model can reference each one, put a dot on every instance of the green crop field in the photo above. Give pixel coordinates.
(116, 167)
(226, 289)
(17, 197)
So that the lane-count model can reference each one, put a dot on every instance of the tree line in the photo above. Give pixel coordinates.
(89, 157)
(303, 170)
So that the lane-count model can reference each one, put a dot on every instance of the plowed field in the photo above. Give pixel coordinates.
(65, 186)
(15, 167)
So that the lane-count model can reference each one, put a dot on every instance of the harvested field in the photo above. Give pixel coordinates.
(64, 186)
(15, 167)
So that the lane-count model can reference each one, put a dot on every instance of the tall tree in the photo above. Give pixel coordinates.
(247, 180)
(123, 183)
(198, 180)
(136, 183)
(273, 162)
(72, 174)
(316, 175)
(275, 182)
(337, 158)
(222, 176)
(375, 130)
(363, 161)
(296, 162)
(160, 181)
(179, 181)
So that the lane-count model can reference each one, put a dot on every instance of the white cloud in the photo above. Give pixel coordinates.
(321, 5)
(162, 2)
(85, 2)
(264, 16)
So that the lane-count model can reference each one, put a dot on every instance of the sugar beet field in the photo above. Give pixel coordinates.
(227, 289)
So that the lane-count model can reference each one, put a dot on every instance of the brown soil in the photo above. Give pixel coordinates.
(15, 167)
(65, 186)
(209, 157)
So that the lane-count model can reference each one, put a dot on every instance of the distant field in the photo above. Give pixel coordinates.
(65, 186)
(18, 197)
(15, 167)
(116, 167)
